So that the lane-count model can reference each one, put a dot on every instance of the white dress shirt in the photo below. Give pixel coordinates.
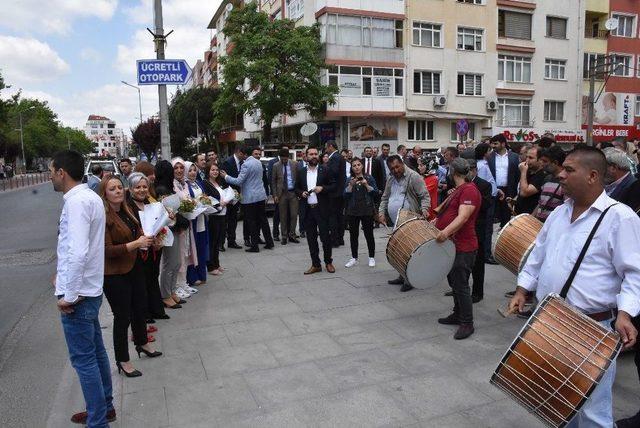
(347, 167)
(502, 169)
(81, 231)
(312, 180)
(485, 173)
(609, 275)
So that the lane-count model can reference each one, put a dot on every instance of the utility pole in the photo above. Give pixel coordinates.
(24, 158)
(592, 102)
(159, 40)
(197, 134)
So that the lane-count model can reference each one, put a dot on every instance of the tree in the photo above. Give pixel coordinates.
(4, 113)
(273, 68)
(74, 138)
(182, 118)
(147, 136)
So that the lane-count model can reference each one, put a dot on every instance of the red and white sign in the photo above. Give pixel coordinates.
(610, 132)
(530, 135)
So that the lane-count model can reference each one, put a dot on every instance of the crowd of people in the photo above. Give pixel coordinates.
(462, 190)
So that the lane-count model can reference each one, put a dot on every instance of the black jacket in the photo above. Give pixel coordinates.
(632, 196)
(229, 166)
(485, 191)
(622, 191)
(513, 173)
(337, 169)
(325, 180)
(377, 172)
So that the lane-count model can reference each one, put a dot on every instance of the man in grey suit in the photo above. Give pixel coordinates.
(283, 183)
(253, 197)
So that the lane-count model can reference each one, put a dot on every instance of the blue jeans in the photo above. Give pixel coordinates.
(89, 358)
(597, 412)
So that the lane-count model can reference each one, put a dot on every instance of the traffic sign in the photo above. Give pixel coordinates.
(163, 72)
(462, 127)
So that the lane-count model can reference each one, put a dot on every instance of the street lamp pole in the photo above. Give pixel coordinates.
(197, 134)
(139, 97)
(24, 159)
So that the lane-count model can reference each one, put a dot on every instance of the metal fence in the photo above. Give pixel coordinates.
(23, 180)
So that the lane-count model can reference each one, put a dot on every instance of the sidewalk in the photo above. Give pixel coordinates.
(264, 345)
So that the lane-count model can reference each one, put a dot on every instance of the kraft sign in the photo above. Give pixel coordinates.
(163, 72)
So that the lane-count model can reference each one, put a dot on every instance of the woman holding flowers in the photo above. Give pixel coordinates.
(197, 273)
(216, 187)
(139, 197)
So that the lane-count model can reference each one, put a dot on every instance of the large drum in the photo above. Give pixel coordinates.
(414, 252)
(556, 361)
(515, 241)
(405, 215)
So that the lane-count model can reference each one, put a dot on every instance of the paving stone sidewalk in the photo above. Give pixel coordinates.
(265, 346)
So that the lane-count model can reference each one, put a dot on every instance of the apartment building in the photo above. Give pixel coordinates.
(539, 78)
(107, 138)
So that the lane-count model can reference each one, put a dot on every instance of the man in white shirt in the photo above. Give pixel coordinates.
(78, 284)
(608, 280)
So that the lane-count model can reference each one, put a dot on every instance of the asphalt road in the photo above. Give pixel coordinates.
(32, 348)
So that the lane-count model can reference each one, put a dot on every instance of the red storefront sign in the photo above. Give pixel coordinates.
(610, 132)
(528, 135)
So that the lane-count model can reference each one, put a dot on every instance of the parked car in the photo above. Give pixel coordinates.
(108, 165)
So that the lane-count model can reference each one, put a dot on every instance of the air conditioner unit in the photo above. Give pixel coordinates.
(439, 101)
(492, 105)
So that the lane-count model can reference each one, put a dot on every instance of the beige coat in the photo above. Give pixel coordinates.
(277, 177)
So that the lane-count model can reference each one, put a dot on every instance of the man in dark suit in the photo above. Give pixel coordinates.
(302, 208)
(477, 271)
(231, 166)
(503, 164)
(372, 167)
(283, 184)
(618, 179)
(336, 167)
(314, 187)
(385, 150)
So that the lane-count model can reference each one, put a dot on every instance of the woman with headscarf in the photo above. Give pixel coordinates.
(171, 260)
(428, 168)
(197, 273)
(139, 185)
(186, 237)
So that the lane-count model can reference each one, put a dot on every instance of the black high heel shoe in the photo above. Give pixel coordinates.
(135, 373)
(175, 306)
(141, 350)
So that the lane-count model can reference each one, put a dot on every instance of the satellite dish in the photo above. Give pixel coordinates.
(611, 24)
(308, 129)
(229, 7)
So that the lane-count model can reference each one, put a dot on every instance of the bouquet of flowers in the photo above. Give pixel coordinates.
(206, 200)
(187, 205)
(211, 205)
(154, 219)
(165, 236)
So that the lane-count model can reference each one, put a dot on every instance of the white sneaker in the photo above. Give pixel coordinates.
(192, 290)
(372, 262)
(182, 293)
(351, 263)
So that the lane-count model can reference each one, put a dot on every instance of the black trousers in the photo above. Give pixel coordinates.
(151, 266)
(255, 217)
(488, 228)
(302, 213)
(217, 225)
(127, 297)
(232, 222)
(336, 220)
(354, 232)
(502, 211)
(316, 224)
(477, 273)
(458, 279)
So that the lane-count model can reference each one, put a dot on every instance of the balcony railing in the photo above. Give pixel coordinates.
(590, 33)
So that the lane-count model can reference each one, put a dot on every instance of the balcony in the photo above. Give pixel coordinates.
(396, 7)
(597, 6)
(591, 33)
(364, 53)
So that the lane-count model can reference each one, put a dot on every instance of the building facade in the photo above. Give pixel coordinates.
(107, 139)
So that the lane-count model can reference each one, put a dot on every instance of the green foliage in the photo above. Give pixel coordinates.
(272, 68)
(146, 136)
(74, 138)
(182, 118)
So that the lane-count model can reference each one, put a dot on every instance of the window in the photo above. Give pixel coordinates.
(295, 9)
(471, 134)
(621, 65)
(363, 31)
(556, 27)
(513, 112)
(514, 68)
(555, 69)
(367, 81)
(471, 1)
(595, 63)
(420, 130)
(470, 39)
(637, 105)
(469, 84)
(514, 24)
(94, 132)
(554, 111)
(625, 26)
(426, 82)
(427, 35)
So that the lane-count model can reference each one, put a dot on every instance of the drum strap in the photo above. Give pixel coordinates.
(574, 271)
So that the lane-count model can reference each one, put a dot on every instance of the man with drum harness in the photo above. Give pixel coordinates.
(405, 189)
(599, 276)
